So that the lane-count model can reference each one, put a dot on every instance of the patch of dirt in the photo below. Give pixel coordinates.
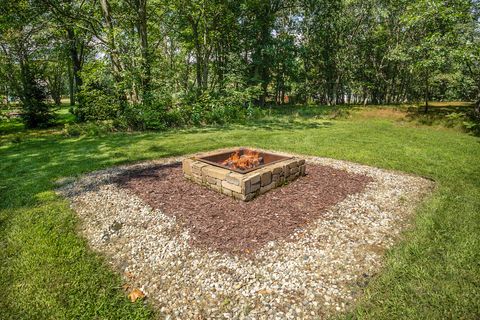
(227, 225)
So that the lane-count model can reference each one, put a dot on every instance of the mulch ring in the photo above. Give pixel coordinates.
(221, 223)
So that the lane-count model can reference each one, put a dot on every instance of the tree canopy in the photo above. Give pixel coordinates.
(145, 59)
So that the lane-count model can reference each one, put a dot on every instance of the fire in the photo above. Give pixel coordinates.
(248, 160)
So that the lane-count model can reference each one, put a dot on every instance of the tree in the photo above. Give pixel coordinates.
(22, 36)
(149, 57)
(73, 17)
(434, 37)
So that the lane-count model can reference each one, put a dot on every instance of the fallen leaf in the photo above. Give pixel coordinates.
(126, 286)
(136, 294)
(264, 291)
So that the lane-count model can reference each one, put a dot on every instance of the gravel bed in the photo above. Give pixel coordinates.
(315, 272)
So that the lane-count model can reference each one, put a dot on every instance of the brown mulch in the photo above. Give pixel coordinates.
(219, 222)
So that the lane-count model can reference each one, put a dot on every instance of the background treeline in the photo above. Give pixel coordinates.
(163, 63)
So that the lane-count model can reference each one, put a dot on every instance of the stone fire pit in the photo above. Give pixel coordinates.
(265, 172)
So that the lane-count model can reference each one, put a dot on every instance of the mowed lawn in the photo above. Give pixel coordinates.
(47, 271)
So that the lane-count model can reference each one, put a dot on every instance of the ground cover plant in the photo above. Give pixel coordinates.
(48, 272)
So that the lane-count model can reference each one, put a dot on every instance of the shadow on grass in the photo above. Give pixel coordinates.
(33, 165)
(290, 125)
(268, 124)
(449, 116)
(310, 111)
(12, 126)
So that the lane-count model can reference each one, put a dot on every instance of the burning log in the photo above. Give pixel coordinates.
(249, 159)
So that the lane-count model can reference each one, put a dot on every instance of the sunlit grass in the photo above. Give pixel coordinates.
(47, 271)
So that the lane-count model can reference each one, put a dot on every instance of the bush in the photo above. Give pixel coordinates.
(210, 108)
(96, 104)
(98, 99)
(130, 118)
(36, 113)
(472, 126)
(160, 116)
(227, 107)
(454, 119)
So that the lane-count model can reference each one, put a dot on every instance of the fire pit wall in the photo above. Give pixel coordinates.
(243, 186)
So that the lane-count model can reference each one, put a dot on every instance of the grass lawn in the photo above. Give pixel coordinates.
(47, 272)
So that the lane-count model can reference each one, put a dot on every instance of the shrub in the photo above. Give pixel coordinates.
(130, 118)
(98, 98)
(96, 104)
(100, 101)
(36, 112)
(209, 108)
(454, 119)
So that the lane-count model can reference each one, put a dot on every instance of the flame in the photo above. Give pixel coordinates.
(249, 159)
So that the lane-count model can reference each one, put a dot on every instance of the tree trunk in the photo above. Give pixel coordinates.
(260, 58)
(116, 62)
(476, 110)
(145, 50)
(71, 84)
(427, 93)
(117, 66)
(7, 96)
(76, 59)
(206, 50)
(198, 57)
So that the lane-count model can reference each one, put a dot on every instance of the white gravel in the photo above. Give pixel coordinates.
(317, 273)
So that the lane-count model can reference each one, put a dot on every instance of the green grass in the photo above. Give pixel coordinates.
(47, 271)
